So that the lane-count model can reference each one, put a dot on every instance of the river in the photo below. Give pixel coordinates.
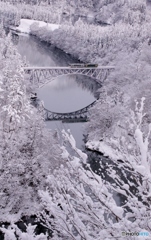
(64, 94)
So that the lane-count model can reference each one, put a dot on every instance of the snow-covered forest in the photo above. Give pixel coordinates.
(44, 175)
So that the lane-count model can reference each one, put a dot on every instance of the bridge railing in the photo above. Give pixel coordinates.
(39, 75)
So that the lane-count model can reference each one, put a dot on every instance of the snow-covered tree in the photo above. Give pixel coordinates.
(28, 152)
(14, 233)
(78, 204)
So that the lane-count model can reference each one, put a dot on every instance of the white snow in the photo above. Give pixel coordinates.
(65, 153)
(70, 139)
(25, 25)
(105, 149)
(141, 169)
(118, 211)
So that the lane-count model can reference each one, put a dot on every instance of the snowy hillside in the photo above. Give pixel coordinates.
(48, 189)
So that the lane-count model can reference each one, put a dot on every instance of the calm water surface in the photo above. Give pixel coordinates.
(64, 94)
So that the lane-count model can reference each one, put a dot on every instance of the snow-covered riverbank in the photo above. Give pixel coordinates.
(26, 24)
(105, 149)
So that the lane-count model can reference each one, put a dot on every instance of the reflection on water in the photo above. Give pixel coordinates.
(65, 95)
(40, 54)
(75, 128)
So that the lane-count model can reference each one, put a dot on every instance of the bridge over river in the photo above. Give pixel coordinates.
(42, 75)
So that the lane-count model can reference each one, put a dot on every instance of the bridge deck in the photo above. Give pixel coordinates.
(41, 75)
(73, 68)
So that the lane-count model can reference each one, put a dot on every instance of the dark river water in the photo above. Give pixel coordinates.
(67, 93)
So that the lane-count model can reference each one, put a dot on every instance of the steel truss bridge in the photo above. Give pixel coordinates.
(76, 116)
(42, 75)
